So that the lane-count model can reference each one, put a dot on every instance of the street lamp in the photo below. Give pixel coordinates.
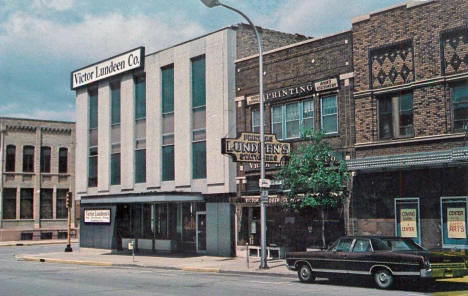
(264, 193)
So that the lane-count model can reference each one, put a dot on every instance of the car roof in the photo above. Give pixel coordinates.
(372, 236)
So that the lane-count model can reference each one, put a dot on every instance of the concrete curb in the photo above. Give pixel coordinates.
(186, 268)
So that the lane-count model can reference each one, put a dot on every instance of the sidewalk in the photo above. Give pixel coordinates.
(98, 257)
(34, 243)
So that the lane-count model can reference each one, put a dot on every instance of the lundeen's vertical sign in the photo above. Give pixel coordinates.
(118, 64)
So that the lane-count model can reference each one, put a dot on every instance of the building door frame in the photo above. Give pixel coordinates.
(408, 200)
(200, 232)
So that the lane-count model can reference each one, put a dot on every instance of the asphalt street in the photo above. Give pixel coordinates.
(35, 278)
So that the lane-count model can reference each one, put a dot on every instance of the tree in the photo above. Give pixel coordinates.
(312, 178)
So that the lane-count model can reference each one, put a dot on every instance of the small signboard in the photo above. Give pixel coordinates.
(246, 148)
(408, 223)
(264, 183)
(326, 84)
(264, 196)
(456, 223)
(98, 216)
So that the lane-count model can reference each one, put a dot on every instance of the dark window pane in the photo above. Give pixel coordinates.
(168, 163)
(140, 97)
(93, 109)
(140, 166)
(460, 107)
(385, 118)
(28, 159)
(406, 115)
(45, 159)
(168, 123)
(277, 121)
(10, 158)
(329, 114)
(63, 160)
(167, 81)
(26, 203)
(92, 168)
(198, 82)
(60, 208)
(46, 204)
(9, 203)
(199, 118)
(115, 105)
(199, 160)
(115, 169)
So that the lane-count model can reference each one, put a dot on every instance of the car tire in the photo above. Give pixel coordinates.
(305, 273)
(383, 279)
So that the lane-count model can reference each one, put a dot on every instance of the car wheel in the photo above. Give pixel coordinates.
(305, 274)
(383, 279)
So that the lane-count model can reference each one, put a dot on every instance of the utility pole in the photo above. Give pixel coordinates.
(68, 204)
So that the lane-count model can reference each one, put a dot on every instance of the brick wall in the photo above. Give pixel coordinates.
(422, 25)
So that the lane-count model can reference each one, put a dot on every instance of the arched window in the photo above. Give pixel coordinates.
(45, 159)
(63, 160)
(10, 158)
(28, 159)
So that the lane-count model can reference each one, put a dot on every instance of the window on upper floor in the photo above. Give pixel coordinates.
(395, 116)
(329, 114)
(115, 134)
(289, 121)
(45, 159)
(10, 158)
(140, 129)
(460, 107)
(115, 102)
(46, 203)
(63, 160)
(28, 159)
(167, 86)
(93, 138)
(26, 203)
(9, 203)
(60, 205)
(198, 118)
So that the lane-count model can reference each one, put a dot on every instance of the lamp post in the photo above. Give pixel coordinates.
(264, 193)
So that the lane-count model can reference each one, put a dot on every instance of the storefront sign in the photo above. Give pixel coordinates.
(97, 216)
(272, 199)
(246, 148)
(456, 223)
(130, 60)
(283, 93)
(326, 84)
(408, 223)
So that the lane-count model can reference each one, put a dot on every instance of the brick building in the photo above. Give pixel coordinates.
(149, 162)
(411, 121)
(37, 169)
(308, 85)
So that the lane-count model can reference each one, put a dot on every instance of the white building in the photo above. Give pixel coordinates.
(148, 155)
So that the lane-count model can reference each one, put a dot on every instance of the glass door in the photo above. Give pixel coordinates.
(201, 232)
(407, 219)
(453, 220)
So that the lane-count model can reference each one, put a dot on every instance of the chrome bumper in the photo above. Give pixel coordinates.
(443, 273)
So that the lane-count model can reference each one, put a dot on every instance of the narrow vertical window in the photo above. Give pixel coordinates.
(385, 118)
(405, 120)
(26, 206)
(10, 158)
(167, 86)
(63, 160)
(460, 107)
(255, 121)
(140, 129)
(198, 118)
(9, 203)
(45, 159)
(60, 207)
(115, 133)
(28, 159)
(46, 203)
(93, 139)
(277, 121)
(329, 114)
(308, 115)
(292, 120)
(395, 116)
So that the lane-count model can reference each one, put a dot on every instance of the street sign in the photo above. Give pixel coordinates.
(264, 196)
(264, 183)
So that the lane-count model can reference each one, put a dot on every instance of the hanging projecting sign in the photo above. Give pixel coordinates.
(119, 64)
(456, 223)
(408, 223)
(326, 84)
(246, 148)
(97, 216)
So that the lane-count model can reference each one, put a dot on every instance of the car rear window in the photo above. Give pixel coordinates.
(379, 245)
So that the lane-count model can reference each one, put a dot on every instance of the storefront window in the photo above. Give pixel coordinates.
(407, 219)
(453, 219)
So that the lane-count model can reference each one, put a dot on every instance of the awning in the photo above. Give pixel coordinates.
(141, 198)
(451, 157)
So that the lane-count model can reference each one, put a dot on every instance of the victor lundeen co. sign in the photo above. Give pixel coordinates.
(246, 148)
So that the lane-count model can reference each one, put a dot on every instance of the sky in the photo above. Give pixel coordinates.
(43, 41)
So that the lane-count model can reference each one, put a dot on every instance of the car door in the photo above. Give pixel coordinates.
(359, 260)
(338, 256)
